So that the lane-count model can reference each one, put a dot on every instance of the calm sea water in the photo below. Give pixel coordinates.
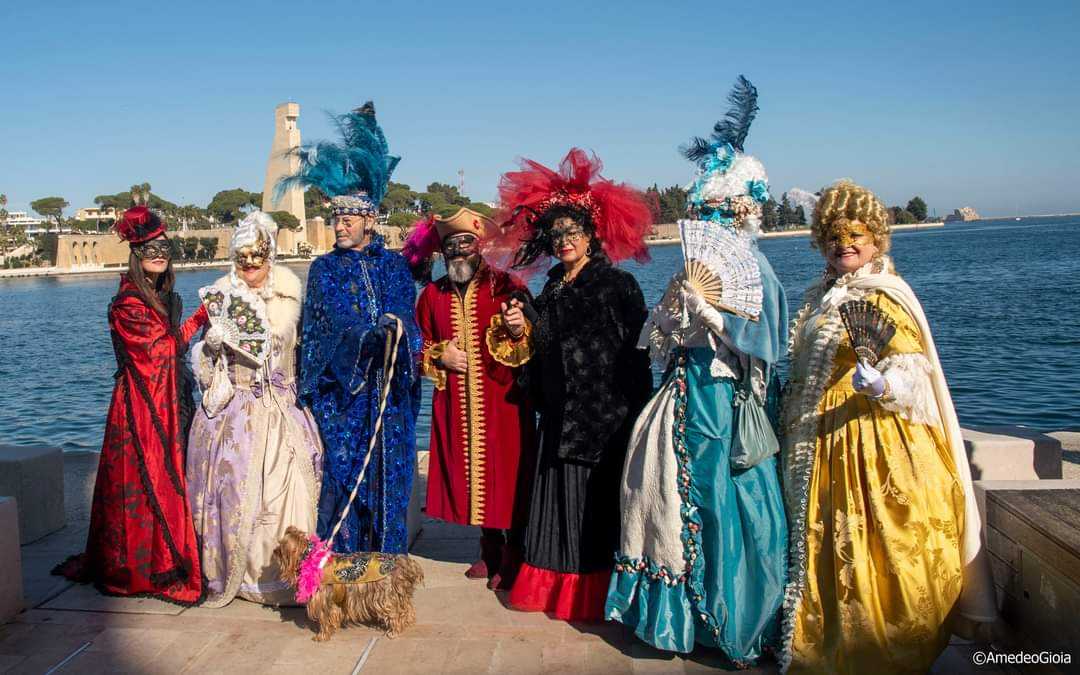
(1001, 297)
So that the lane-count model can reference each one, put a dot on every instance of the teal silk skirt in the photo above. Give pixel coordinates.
(734, 534)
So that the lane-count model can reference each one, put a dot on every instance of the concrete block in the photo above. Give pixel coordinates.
(415, 517)
(1011, 453)
(11, 590)
(34, 476)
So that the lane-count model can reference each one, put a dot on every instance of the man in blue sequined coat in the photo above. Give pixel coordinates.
(352, 293)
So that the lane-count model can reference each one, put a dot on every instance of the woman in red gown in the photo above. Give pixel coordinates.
(142, 540)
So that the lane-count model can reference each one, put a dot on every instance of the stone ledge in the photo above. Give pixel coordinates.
(1011, 453)
(34, 476)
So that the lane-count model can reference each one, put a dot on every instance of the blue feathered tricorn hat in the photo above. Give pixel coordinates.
(353, 172)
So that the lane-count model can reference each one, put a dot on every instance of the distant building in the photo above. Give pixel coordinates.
(962, 215)
(31, 225)
(21, 219)
(96, 213)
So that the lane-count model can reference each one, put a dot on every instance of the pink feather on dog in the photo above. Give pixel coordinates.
(311, 569)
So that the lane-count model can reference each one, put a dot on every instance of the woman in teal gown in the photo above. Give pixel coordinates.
(703, 550)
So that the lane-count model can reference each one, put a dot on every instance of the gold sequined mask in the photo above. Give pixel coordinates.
(847, 233)
(256, 255)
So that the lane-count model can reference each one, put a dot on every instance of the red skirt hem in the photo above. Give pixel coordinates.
(564, 595)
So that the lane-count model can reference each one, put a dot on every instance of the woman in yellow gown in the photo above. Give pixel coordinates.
(884, 530)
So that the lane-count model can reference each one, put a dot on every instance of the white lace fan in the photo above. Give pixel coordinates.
(242, 320)
(720, 264)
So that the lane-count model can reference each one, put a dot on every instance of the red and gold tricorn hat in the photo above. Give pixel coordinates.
(464, 220)
(428, 234)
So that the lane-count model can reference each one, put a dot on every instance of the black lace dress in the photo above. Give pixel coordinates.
(588, 381)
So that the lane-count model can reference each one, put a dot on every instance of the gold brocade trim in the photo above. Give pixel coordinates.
(504, 348)
(471, 397)
(433, 351)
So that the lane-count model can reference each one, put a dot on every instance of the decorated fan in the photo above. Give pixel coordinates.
(721, 266)
(241, 319)
(868, 328)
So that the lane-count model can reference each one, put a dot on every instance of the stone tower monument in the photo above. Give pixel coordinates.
(286, 137)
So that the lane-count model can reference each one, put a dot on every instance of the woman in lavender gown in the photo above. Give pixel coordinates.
(254, 457)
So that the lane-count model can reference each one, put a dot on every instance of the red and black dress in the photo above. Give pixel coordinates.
(589, 382)
(142, 539)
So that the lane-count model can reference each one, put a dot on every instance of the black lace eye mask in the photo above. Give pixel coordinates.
(156, 248)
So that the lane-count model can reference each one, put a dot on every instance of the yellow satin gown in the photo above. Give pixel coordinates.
(885, 511)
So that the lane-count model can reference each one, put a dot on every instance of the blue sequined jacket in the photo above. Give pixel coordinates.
(341, 359)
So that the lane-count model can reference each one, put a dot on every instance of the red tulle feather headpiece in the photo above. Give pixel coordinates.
(138, 225)
(620, 213)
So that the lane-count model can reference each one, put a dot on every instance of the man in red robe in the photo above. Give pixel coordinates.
(482, 428)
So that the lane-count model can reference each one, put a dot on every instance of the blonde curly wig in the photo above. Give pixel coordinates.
(843, 202)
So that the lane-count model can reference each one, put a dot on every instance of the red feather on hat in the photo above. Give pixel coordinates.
(138, 225)
(620, 213)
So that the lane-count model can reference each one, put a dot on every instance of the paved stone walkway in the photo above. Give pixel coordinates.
(462, 627)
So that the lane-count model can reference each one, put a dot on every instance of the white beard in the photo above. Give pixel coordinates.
(460, 270)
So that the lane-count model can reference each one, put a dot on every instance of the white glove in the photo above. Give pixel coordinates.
(868, 380)
(213, 338)
(698, 306)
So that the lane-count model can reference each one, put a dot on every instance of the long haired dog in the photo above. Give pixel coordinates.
(370, 588)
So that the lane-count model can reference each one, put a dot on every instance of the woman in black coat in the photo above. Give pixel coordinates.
(588, 381)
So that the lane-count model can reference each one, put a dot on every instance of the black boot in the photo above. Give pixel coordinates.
(491, 548)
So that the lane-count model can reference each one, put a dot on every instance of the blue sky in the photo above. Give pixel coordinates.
(962, 103)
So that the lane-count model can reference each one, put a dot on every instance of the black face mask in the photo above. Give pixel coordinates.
(460, 247)
(155, 248)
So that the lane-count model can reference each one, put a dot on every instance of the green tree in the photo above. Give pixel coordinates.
(917, 208)
(482, 208)
(672, 201)
(190, 216)
(47, 246)
(190, 246)
(316, 204)
(176, 245)
(228, 206)
(50, 208)
(785, 215)
(4, 233)
(208, 247)
(401, 220)
(450, 193)
(399, 197)
(769, 220)
(285, 220)
(118, 201)
(902, 216)
(140, 193)
(800, 216)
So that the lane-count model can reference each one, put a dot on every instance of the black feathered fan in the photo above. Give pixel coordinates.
(868, 328)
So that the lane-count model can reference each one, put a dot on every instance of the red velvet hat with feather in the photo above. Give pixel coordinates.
(620, 214)
(139, 225)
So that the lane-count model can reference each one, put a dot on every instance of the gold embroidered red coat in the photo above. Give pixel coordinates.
(481, 426)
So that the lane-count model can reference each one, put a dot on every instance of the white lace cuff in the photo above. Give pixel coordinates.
(910, 392)
(202, 364)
